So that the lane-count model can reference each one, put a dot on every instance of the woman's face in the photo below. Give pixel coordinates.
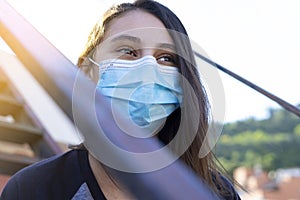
(134, 35)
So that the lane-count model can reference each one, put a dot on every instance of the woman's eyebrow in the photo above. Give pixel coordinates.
(126, 37)
(167, 46)
(138, 40)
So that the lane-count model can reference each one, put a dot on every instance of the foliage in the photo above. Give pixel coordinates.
(273, 142)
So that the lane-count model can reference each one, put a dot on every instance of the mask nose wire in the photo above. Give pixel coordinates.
(149, 58)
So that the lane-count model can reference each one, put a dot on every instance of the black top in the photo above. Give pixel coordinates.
(66, 176)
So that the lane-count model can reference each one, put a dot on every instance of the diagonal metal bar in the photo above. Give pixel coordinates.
(57, 75)
(275, 98)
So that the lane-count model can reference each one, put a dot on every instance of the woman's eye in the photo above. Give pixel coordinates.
(127, 51)
(169, 60)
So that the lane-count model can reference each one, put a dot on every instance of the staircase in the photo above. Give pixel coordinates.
(23, 140)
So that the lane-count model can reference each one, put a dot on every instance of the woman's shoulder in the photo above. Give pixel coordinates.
(226, 188)
(47, 175)
(50, 164)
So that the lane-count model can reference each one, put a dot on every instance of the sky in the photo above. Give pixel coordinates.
(257, 39)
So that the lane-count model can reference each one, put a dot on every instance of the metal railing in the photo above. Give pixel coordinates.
(273, 97)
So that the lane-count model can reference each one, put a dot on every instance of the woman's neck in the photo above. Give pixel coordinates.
(110, 189)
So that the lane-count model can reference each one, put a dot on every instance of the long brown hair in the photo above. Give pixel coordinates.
(206, 166)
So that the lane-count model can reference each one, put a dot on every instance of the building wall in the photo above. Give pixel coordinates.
(286, 186)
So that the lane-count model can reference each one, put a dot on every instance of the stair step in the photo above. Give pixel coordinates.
(11, 163)
(9, 106)
(16, 149)
(19, 133)
(3, 84)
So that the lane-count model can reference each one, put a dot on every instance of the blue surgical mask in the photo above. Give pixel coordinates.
(145, 91)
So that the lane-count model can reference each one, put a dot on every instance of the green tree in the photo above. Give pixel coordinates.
(271, 143)
(297, 130)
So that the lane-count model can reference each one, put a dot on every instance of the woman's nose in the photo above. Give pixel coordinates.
(147, 52)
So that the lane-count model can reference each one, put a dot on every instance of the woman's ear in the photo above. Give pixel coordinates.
(89, 69)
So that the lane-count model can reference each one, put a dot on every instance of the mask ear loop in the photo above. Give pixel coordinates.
(94, 62)
(88, 67)
(91, 57)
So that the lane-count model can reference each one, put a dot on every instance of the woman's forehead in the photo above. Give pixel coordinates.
(139, 25)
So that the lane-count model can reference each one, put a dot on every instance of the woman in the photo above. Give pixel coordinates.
(144, 33)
